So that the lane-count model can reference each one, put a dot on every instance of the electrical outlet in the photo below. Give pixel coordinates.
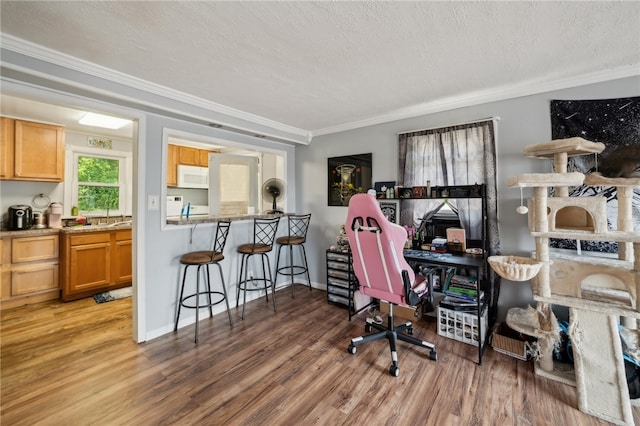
(153, 202)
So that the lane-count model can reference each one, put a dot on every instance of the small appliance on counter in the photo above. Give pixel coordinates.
(174, 205)
(39, 220)
(20, 217)
(55, 215)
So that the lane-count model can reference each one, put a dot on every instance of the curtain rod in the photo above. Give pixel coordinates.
(451, 125)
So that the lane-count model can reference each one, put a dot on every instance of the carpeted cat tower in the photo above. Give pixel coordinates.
(602, 293)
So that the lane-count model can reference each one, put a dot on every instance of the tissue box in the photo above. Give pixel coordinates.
(410, 313)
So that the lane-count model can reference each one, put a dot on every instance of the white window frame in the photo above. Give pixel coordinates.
(125, 185)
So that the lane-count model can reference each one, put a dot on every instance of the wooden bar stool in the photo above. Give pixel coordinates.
(298, 226)
(264, 234)
(200, 259)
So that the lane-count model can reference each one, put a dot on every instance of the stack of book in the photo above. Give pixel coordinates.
(461, 294)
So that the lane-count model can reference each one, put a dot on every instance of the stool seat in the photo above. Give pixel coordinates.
(254, 248)
(200, 257)
(290, 240)
(205, 258)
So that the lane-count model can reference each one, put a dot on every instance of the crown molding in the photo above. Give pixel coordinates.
(44, 54)
(485, 96)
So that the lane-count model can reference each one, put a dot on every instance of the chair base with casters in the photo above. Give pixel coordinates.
(392, 333)
(204, 259)
(264, 235)
(298, 226)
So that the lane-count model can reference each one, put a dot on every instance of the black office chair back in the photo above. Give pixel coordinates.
(298, 227)
(220, 239)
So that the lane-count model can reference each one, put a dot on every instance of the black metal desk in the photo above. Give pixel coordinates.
(467, 261)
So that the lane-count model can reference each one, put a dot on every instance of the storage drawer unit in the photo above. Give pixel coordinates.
(342, 283)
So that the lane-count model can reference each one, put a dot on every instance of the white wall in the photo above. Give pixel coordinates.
(523, 121)
(165, 245)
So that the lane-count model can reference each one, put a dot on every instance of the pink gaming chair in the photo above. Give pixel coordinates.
(378, 263)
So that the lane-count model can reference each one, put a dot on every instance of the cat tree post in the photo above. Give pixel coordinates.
(625, 249)
(625, 220)
(560, 160)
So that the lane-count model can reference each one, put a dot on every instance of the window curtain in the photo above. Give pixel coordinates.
(450, 156)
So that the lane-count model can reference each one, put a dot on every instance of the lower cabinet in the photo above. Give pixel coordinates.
(29, 270)
(94, 261)
(122, 270)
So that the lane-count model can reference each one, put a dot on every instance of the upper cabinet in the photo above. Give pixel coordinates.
(172, 165)
(188, 156)
(185, 156)
(31, 151)
(6, 147)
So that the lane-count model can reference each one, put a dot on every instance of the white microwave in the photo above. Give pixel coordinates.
(193, 177)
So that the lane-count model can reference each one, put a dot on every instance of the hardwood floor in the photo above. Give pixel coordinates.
(75, 364)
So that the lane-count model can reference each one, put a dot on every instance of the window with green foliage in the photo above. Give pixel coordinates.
(98, 184)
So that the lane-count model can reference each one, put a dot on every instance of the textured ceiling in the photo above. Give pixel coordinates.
(320, 65)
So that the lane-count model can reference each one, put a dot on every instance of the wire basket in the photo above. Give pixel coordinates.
(515, 268)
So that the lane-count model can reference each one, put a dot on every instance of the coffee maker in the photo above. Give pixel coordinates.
(20, 217)
(55, 215)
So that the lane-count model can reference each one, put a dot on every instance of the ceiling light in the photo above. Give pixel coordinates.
(105, 121)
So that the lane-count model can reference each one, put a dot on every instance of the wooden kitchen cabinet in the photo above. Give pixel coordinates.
(7, 138)
(204, 158)
(188, 156)
(32, 151)
(185, 156)
(172, 165)
(93, 262)
(122, 271)
(30, 270)
(86, 264)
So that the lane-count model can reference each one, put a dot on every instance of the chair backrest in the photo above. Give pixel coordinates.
(220, 238)
(298, 225)
(376, 246)
(264, 231)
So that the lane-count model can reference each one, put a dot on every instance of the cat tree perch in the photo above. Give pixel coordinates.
(598, 291)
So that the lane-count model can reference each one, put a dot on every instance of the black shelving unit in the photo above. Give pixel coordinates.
(476, 263)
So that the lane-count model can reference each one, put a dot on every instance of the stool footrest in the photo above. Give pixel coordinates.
(206, 304)
(297, 270)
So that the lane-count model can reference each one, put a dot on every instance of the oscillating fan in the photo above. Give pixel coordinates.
(273, 190)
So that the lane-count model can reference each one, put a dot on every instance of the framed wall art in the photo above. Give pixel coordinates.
(348, 175)
(391, 210)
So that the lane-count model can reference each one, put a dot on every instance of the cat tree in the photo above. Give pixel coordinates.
(600, 292)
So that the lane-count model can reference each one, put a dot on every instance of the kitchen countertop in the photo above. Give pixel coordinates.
(212, 219)
(66, 230)
(30, 232)
(95, 228)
